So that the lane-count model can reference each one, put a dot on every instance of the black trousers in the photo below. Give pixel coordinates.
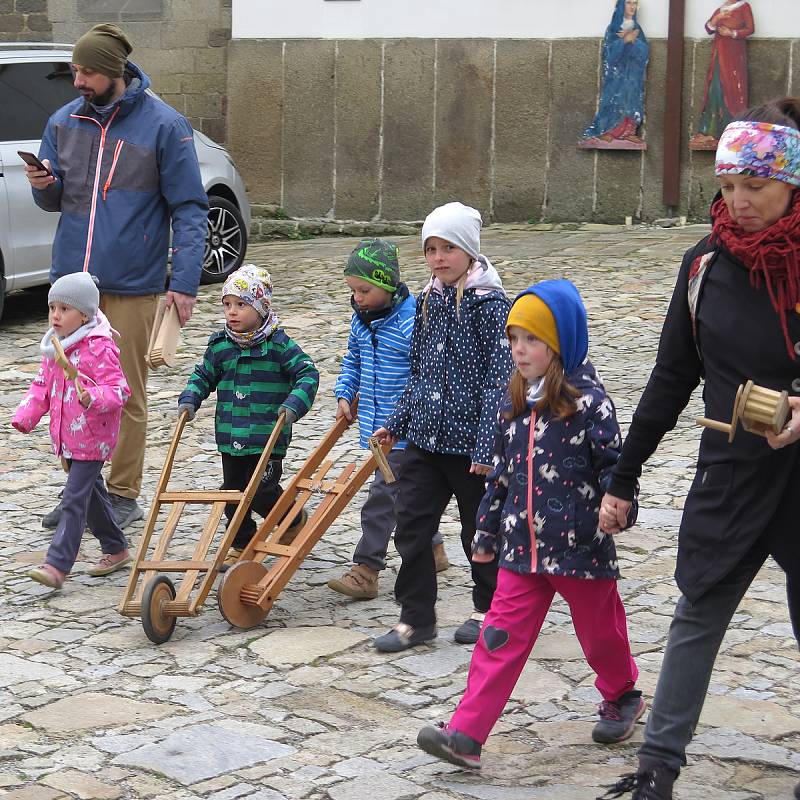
(236, 474)
(427, 481)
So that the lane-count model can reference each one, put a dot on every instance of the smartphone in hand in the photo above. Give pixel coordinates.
(32, 160)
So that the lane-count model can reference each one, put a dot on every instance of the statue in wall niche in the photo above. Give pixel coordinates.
(621, 110)
(725, 94)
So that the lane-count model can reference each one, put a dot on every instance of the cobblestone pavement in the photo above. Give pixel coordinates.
(302, 706)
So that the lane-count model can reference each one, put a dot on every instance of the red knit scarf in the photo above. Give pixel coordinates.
(772, 255)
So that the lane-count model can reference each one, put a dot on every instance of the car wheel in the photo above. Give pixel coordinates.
(226, 240)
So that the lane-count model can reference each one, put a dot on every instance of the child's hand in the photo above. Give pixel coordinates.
(482, 557)
(614, 513)
(291, 415)
(480, 469)
(384, 437)
(189, 409)
(84, 398)
(343, 410)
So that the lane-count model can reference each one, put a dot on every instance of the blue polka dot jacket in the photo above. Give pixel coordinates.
(541, 506)
(460, 366)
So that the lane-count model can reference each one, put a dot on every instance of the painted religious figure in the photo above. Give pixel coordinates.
(621, 110)
(726, 82)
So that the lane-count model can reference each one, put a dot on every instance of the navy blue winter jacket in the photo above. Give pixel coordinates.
(460, 365)
(541, 506)
(120, 181)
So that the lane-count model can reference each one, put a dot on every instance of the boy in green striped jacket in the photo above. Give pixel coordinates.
(257, 371)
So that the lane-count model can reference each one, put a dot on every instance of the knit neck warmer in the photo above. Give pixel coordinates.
(535, 391)
(254, 337)
(76, 336)
(771, 255)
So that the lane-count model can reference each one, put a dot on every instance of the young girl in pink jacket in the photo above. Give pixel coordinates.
(84, 424)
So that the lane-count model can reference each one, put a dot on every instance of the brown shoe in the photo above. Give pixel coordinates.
(359, 582)
(440, 557)
(233, 556)
(47, 575)
(291, 532)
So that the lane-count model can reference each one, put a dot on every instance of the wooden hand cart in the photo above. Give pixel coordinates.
(248, 589)
(156, 599)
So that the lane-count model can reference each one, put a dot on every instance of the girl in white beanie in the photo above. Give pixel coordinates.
(460, 365)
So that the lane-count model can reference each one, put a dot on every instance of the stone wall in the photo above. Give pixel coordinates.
(180, 44)
(387, 129)
(24, 21)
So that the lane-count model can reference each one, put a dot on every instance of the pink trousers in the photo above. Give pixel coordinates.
(510, 630)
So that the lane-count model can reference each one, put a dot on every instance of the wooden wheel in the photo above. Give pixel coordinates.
(157, 624)
(229, 594)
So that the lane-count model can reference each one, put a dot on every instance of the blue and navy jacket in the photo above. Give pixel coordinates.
(376, 366)
(460, 365)
(542, 502)
(121, 180)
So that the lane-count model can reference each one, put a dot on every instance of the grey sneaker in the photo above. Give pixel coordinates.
(125, 510)
(451, 745)
(469, 632)
(618, 718)
(51, 518)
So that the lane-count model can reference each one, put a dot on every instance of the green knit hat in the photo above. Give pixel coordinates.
(375, 261)
(105, 49)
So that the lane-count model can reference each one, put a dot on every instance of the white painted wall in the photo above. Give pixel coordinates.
(493, 19)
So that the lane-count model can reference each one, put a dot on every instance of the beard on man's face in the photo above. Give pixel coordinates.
(101, 99)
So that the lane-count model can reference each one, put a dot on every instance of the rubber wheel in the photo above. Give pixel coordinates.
(157, 625)
(226, 240)
(228, 600)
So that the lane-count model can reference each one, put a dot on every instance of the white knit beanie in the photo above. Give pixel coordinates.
(79, 290)
(455, 223)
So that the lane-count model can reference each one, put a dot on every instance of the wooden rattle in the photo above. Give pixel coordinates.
(69, 368)
(759, 410)
(380, 459)
(164, 337)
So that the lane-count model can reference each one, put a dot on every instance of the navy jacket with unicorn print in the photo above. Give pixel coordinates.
(460, 365)
(542, 502)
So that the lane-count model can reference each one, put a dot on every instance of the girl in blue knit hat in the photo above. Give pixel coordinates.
(556, 442)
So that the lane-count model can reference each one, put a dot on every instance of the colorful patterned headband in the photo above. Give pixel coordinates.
(760, 149)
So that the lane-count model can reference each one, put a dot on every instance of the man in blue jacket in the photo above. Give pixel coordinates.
(123, 170)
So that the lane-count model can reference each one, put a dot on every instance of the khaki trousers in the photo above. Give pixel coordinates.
(133, 318)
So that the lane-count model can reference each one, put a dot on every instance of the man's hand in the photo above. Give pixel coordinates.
(614, 513)
(480, 469)
(39, 179)
(343, 410)
(184, 303)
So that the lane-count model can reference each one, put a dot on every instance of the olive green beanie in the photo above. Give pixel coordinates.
(105, 49)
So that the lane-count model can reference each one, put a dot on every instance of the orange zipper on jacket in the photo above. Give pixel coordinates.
(117, 151)
(97, 167)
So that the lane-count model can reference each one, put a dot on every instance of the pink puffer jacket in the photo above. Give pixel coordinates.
(85, 434)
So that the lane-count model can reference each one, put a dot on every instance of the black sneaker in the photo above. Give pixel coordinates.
(618, 718)
(403, 636)
(469, 632)
(453, 746)
(51, 518)
(125, 510)
(653, 782)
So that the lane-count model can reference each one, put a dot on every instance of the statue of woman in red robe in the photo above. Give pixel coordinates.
(726, 83)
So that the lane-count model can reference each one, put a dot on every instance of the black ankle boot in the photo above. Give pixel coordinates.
(652, 781)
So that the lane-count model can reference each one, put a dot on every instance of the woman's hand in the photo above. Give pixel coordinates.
(480, 469)
(791, 431)
(384, 437)
(614, 513)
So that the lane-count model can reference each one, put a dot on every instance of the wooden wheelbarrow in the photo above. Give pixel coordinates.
(155, 598)
(248, 590)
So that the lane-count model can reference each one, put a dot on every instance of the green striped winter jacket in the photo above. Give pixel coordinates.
(252, 385)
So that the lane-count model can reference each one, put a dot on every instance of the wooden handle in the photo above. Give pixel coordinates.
(380, 460)
(724, 427)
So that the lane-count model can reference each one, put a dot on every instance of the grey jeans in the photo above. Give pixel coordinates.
(378, 517)
(695, 636)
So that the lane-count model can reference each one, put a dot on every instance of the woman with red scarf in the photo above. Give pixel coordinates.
(734, 316)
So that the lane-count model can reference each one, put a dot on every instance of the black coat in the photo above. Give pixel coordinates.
(744, 491)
